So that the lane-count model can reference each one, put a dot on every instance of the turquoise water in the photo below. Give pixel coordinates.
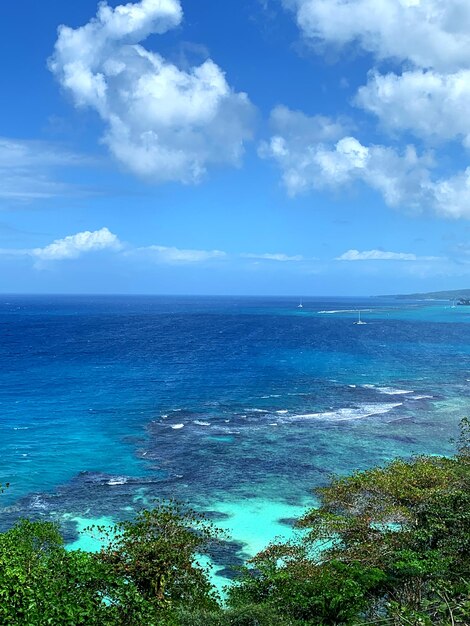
(239, 406)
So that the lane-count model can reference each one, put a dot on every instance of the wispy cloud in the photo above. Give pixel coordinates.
(29, 170)
(171, 255)
(279, 257)
(382, 255)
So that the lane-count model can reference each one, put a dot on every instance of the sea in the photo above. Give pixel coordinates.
(238, 406)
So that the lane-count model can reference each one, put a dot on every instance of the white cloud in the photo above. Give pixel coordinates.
(73, 246)
(297, 126)
(308, 163)
(452, 195)
(279, 257)
(429, 104)
(172, 255)
(404, 178)
(28, 169)
(161, 122)
(429, 38)
(382, 255)
(295, 143)
(427, 33)
(70, 247)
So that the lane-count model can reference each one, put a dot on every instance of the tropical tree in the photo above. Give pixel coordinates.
(390, 543)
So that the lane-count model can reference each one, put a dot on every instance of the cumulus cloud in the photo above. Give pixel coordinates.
(312, 161)
(404, 178)
(429, 104)
(427, 33)
(161, 122)
(428, 39)
(382, 255)
(294, 145)
(452, 195)
(70, 247)
(73, 246)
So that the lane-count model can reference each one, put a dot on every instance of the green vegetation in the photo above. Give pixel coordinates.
(390, 545)
(147, 570)
(453, 294)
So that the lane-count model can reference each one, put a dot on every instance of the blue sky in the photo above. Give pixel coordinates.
(297, 147)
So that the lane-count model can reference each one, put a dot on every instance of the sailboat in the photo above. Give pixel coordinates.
(359, 321)
(300, 306)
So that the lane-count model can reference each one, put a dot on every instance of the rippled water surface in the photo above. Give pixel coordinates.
(239, 406)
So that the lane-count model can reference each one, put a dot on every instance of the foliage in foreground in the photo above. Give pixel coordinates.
(147, 569)
(390, 545)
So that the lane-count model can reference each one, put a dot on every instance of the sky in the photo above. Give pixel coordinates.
(245, 147)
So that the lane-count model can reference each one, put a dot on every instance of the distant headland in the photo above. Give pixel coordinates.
(459, 296)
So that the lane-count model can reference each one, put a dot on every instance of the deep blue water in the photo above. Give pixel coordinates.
(228, 403)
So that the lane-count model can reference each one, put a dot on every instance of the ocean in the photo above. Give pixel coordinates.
(238, 406)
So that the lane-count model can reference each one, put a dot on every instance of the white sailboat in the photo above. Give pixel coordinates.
(359, 321)
(300, 306)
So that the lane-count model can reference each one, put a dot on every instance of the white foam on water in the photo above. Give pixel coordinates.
(38, 503)
(118, 480)
(389, 391)
(177, 426)
(421, 397)
(282, 412)
(257, 411)
(344, 414)
(338, 311)
(199, 423)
